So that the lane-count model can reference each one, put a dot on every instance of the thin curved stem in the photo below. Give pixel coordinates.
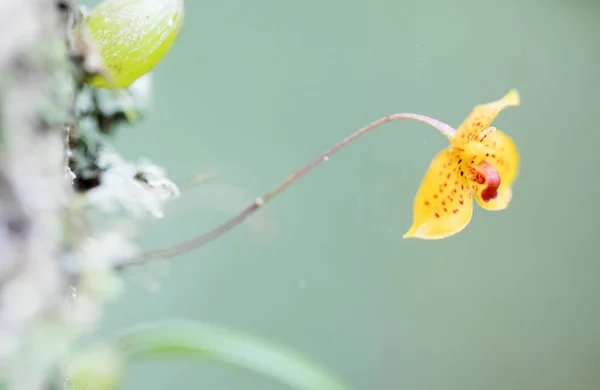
(197, 242)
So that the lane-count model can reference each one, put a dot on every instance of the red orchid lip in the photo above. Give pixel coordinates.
(485, 173)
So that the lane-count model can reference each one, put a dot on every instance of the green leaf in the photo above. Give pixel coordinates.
(200, 340)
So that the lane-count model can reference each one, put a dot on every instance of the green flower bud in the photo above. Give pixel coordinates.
(133, 36)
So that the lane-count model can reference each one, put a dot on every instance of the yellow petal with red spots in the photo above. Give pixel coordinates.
(443, 205)
(505, 159)
(481, 117)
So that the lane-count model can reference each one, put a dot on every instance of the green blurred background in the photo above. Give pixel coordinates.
(255, 89)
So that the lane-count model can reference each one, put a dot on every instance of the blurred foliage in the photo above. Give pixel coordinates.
(209, 342)
(102, 366)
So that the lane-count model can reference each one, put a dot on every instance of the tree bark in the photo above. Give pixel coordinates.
(36, 95)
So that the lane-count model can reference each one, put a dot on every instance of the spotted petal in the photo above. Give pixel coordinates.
(505, 159)
(481, 117)
(443, 205)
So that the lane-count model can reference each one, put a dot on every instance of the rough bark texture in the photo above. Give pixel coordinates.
(35, 100)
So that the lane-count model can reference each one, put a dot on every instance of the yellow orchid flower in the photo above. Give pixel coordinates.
(480, 162)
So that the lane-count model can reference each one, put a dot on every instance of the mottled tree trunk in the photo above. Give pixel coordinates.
(35, 104)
